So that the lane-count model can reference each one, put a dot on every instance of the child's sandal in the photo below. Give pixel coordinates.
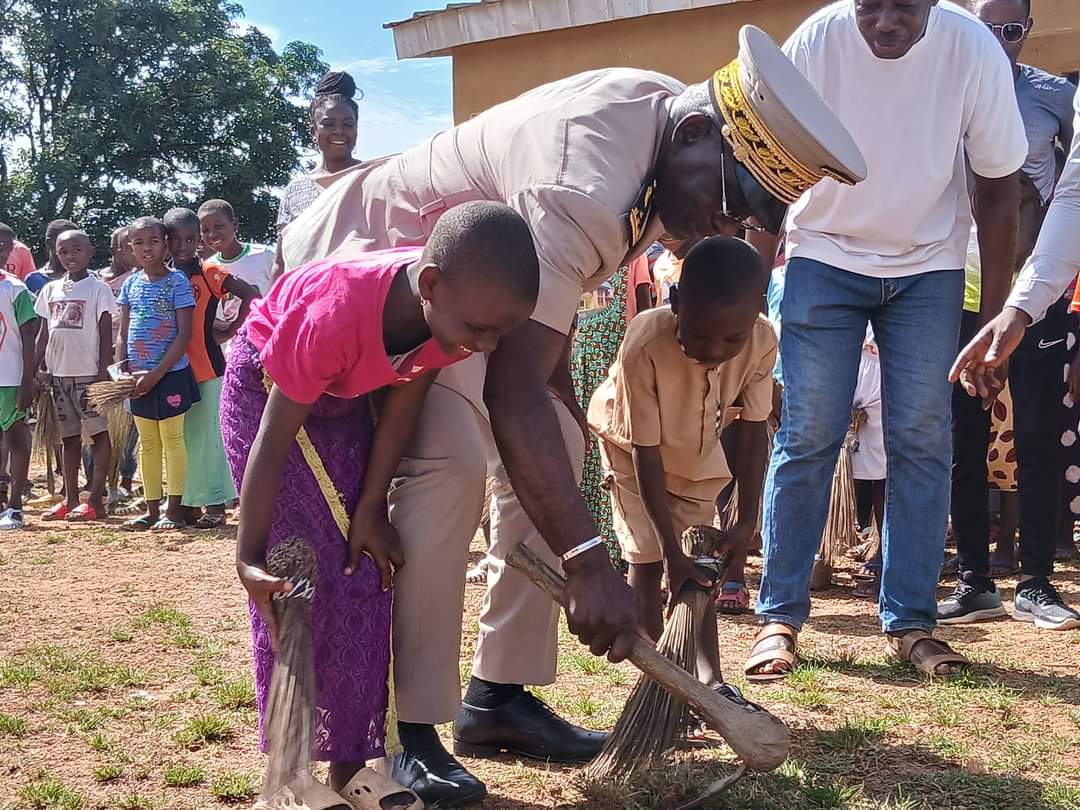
(211, 520)
(139, 524)
(166, 524)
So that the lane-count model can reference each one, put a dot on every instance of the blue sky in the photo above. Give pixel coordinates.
(404, 101)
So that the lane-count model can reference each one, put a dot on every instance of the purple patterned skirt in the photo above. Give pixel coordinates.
(350, 615)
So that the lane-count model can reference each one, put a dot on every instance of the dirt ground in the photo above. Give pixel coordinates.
(125, 683)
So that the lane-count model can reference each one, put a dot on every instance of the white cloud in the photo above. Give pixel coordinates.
(389, 125)
(365, 67)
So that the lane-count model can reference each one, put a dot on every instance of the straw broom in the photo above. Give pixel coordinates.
(105, 396)
(290, 705)
(652, 720)
(120, 423)
(842, 524)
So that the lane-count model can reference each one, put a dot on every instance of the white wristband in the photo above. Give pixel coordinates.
(581, 548)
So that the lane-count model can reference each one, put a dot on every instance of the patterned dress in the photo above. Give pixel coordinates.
(596, 344)
(350, 618)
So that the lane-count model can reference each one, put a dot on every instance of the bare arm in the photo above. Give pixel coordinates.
(42, 345)
(246, 293)
(371, 532)
(750, 451)
(997, 218)
(28, 332)
(602, 610)
(125, 322)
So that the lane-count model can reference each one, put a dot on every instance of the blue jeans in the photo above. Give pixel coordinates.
(916, 321)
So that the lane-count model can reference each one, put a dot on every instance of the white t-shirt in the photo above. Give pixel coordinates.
(912, 118)
(16, 308)
(74, 312)
(254, 266)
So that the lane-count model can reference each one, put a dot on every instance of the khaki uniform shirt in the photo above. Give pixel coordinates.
(571, 157)
(655, 396)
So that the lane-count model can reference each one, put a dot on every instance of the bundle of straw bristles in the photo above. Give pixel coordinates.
(107, 398)
(653, 721)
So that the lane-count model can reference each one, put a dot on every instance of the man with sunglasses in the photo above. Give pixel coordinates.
(918, 83)
(1035, 379)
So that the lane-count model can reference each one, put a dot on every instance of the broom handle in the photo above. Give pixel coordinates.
(757, 736)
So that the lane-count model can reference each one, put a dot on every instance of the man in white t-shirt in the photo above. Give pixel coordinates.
(920, 85)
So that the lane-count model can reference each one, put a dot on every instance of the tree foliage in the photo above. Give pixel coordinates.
(111, 109)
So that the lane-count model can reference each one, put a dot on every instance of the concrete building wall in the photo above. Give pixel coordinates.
(689, 45)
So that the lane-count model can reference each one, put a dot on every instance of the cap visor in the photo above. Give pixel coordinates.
(765, 208)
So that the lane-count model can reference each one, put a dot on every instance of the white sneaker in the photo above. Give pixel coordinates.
(10, 519)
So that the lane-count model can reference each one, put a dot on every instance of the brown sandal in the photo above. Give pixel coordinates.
(925, 653)
(303, 793)
(773, 644)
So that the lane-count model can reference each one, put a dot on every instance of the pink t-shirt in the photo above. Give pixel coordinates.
(21, 262)
(319, 329)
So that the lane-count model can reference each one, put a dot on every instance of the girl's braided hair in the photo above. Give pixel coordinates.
(335, 86)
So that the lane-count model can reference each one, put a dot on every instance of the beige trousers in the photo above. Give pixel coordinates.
(435, 504)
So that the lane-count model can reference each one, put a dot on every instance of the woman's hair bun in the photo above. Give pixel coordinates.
(336, 83)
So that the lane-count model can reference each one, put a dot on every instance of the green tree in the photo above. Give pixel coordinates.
(111, 109)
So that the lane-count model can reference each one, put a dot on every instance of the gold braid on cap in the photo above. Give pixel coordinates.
(754, 146)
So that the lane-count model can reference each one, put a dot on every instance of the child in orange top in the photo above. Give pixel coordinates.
(684, 373)
(209, 481)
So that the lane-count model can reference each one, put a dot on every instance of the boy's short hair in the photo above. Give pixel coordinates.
(723, 271)
(77, 232)
(217, 206)
(57, 227)
(7, 230)
(475, 237)
(118, 233)
(143, 223)
(180, 218)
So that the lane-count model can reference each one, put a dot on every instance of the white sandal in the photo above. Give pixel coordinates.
(369, 788)
(303, 793)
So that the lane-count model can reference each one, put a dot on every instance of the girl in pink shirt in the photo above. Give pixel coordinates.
(309, 464)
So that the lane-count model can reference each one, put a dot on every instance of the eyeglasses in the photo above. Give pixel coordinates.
(1009, 32)
(748, 222)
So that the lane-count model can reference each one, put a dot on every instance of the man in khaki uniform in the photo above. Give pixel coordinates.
(599, 164)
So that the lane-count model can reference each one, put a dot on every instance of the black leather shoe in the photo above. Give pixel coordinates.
(527, 727)
(437, 778)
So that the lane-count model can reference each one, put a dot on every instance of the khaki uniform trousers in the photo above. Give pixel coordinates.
(435, 504)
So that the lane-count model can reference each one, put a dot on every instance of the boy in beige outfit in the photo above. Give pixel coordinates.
(683, 374)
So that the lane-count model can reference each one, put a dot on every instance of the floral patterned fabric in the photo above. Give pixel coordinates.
(350, 618)
(596, 344)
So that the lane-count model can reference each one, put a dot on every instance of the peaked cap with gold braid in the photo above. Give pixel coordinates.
(778, 126)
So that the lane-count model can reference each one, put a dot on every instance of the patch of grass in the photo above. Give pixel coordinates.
(234, 787)
(107, 773)
(585, 706)
(41, 559)
(1061, 796)
(120, 635)
(47, 792)
(947, 746)
(207, 674)
(204, 729)
(180, 775)
(100, 743)
(55, 540)
(805, 676)
(856, 733)
(134, 801)
(84, 720)
(18, 674)
(12, 726)
(235, 694)
(587, 664)
(164, 616)
(617, 677)
(185, 638)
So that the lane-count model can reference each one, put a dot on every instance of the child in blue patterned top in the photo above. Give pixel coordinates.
(156, 306)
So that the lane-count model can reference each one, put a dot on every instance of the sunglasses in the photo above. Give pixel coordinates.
(1009, 32)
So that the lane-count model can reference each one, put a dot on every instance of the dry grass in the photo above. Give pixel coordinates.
(125, 683)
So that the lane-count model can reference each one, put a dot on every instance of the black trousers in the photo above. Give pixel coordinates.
(1037, 382)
